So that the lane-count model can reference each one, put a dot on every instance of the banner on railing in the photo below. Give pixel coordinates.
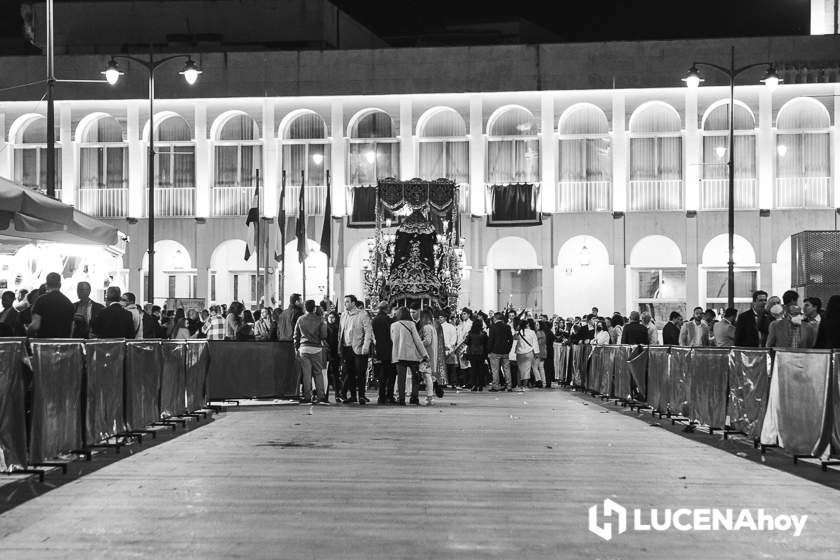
(104, 413)
(12, 413)
(658, 380)
(251, 369)
(577, 350)
(143, 365)
(749, 385)
(198, 360)
(680, 380)
(638, 366)
(708, 371)
(57, 367)
(173, 378)
(797, 417)
(622, 375)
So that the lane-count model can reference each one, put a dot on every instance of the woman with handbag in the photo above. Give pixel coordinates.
(407, 353)
(526, 346)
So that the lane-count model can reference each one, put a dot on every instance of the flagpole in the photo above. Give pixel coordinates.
(257, 279)
(328, 224)
(282, 212)
(302, 229)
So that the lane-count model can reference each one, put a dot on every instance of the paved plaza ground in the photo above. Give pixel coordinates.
(477, 475)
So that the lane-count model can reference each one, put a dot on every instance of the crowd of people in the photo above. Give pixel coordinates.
(508, 350)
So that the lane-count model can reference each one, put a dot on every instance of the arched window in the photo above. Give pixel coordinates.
(714, 191)
(103, 169)
(175, 168)
(656, 158)
(30, 156)
(803, 177)
(444, 150)
(238, 155)
(513, 147)
(374, 149)
(306, 149)
(585, 171)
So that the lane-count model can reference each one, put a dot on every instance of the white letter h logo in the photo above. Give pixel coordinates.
(610, 508)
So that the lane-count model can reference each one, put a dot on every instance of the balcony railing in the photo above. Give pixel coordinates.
(803, 192)
(464, 204)
(584, 196)
(104, 203)
(714, 194)
(232, 201)
(172, 201)
(314, 199)
(657, 194)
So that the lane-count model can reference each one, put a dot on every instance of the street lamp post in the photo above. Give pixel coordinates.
(112, 73)
(692, 79)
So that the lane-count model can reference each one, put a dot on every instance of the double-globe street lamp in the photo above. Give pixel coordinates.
(693, 79)
(112, 74)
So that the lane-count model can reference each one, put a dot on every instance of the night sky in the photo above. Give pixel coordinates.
(593, 20)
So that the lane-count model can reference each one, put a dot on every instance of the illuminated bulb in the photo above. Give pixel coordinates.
(112, 73)
(190, 72)
(692, 79)
(370, 156)
(318, 158)
(720, 151)
(771, 78)
(781, 149)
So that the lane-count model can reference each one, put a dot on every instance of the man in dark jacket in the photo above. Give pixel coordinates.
(671, 330)
(9, 316)
(634, 332)
(383, 368)
(114, 321)
(500, 342)
(748, 326)
(85, 311)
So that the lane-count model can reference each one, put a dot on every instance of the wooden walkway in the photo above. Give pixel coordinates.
(502, 476)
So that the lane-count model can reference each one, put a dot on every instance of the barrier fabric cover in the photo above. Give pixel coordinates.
(680, 380)
(173, 378)
(104, 414)
(607, 367)
(198, 360)
(240, 369)
(658, 383)
(797, 416)
(143, 364)
(561, 362)
(621, 379)
(637, 363)
(585, 358)
(708, 369)
(835, 400)
(577, 350)
(12, 413)
(57, 368)
(749, 384)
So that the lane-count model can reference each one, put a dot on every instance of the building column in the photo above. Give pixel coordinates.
(5, 168)
(692, 270)
(692, 151)
(548, 154)
(547, 260)
(835, 161)
(68, 154)
(619, 264)
(136, 163)
(203, 161)
(407, 159)
(338, 168)
(765, 173)
(766, 252)
(477, 157)
(270, 161)
(619, 154)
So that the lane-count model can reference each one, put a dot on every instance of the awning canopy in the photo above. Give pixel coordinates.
(26, 214)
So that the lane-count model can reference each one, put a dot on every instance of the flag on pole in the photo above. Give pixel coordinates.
(301, 224)
(281, 221)
(326, 232)
(252, 220)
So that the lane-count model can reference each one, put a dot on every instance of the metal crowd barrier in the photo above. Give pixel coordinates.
(781, 397)
(91, 393)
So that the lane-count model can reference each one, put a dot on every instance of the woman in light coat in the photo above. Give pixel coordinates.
(430, 368)
(407, 353)
(526, 346)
